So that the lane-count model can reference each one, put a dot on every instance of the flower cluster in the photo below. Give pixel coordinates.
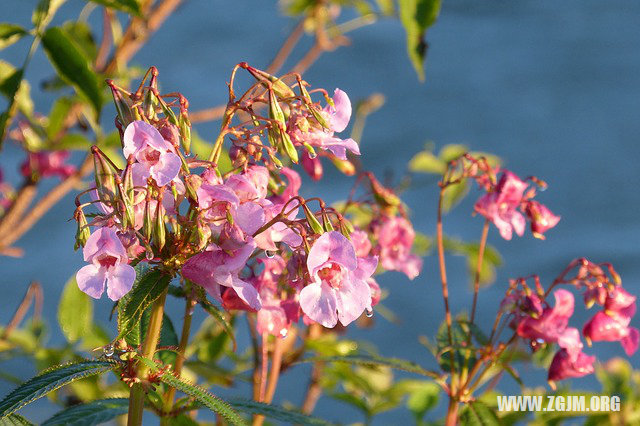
(244, 234)
(538, 323)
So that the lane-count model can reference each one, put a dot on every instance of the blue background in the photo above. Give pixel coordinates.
(551, 87)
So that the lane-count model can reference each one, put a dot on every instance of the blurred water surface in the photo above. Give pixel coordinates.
(552, 87)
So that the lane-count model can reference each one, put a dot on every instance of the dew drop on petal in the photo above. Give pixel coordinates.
(368, 312)
(269, 254)
(312, 155)
(278, 166)
(283, 333)
(149, 254)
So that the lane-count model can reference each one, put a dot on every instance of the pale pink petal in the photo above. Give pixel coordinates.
(519, 223)
(341, 111)
(249, 217)
(91, 280)
(247, 293)
(630, 341)
(339, 146)
(120, 279)
(318, 302)
(331, 246)
(166, 169)
(139, 135)
(352, 298)
(412, 266)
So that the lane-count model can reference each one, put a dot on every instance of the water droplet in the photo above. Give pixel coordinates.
(542, 188)
(279, 166)
(312, 155)
(108, 351)
(368, 312)
(149, 254)
(269, 254)
(540, 341)
(283, 333)
(190, 310)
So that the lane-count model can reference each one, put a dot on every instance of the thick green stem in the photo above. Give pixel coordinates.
(137, 394)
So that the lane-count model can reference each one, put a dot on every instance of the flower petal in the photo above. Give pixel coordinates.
(166, 169)
(91, 280)
(352, 298)
(318, 302)
(120, 279)
(247, 293)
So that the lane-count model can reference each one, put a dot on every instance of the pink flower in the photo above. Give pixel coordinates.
(564, 365)
(500, 206)
(338, 117)
(108, 263)
(313, 166)
(338, 288)
(216, 267)
(47, 164)
(542, 219)
(395, 239)
(155, 156)
(612, 328)
(552, 323)
(279, 231)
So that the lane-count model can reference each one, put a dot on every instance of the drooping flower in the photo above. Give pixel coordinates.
(395, 239)
(541, 218)
(565, 366)
(552, 323)
(216, 267)
(313, 166)
(108, 260)
(337, 118)
(47, 164)
(155, 156)
(500, 206)
(338, 290)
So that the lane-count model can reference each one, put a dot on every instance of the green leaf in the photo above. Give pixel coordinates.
(75, 312)
(458, 347)
(80, 34)
(44, 12)
(50, 380)
(10, 83)
(427, 162)
(10, 33)
(15, 420)
(477, 413)
(201, 395)
(371, 360)
(218, 315)
(91, 413)
(72, 65)
(416, 16)
(147, 288)
(275, 412)
(423, 399)
(132, 7)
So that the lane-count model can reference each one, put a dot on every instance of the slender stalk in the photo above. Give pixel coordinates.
(476, 281)
(452, 413)
(274, 374)
(264, 367)
(137, 394)
(182, 346)
(445, 290)
(314, 391)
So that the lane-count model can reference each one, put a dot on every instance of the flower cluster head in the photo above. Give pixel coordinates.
(47, 164)
(538, 323)
(242, 233)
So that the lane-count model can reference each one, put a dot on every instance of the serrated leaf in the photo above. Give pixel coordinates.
(91, 413)
(75, 312)
(131, 7)
(477, 413)
(201, 395)
(147, 288)
(416, 16)
(10, 33)
(15, 420)
(275, 412)
(72, 65)
(218, 315)
(49, 381)
(370, 360)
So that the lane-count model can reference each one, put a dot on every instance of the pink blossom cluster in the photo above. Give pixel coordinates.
(535, 321)
(245, 235)
(509, 201)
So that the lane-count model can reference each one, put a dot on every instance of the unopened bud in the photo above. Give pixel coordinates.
(83, 232)
(105, 176)
(185, 133)
(149, 105)
(278, 136)
(326, 223)
(315, 225)
(345, 166)
(123, 106)
(268, 80)
(384, 196)
(147, 224)
(311, 107)
(159, 228)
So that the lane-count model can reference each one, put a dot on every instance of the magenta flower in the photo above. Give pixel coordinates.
(108, 260)
(47, 164)
(541, 218)
(338, 117)
(313, 166)
(338, 288)
(216, 267)
(500, 206)
(612, 328)
(155, 156)
(564, 365)
(552, 323)
(395, 239)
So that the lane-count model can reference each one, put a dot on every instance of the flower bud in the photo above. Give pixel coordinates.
(105, 175)
(384, 196)
(313, 221)
(185, 133)
(83, 232)
(278, 136)
(309, 104)
(123, 106)
(326, 223)
(345, 166)
(149, 105)
(159, 228)
(268, 80)
(147, 224)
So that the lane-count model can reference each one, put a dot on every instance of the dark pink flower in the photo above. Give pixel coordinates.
(612, 328)
(541, 218)
(155, 155)
(215, 267)
(313, 166)
(47, 164)
(564, 365)
(395, 239)
(552, 323)
(108, 260)
(338, 288)
(500, 206)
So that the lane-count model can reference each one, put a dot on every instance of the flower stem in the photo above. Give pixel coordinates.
(274, 374)
(445, 291)
(182, 346)
(476, 281)
(137, 394)
(452, 412)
